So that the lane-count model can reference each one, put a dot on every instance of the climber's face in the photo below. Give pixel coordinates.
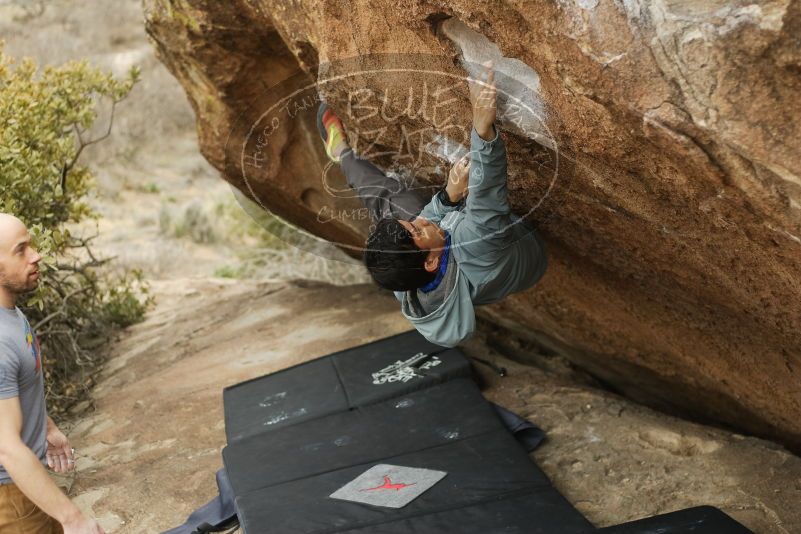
(425, 234)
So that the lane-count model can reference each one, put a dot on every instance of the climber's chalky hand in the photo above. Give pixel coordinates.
(458, 179)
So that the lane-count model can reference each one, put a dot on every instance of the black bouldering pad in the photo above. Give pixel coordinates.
(481, 468)
(297, 436)
(282, 399)
(533, 512)
(447, 412)
(698, 520)
(338, 382)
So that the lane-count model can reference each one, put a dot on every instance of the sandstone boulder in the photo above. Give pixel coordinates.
(654, 143)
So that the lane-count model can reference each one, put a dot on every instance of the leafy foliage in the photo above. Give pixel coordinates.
(46, 121)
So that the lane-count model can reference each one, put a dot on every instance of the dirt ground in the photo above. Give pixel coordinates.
(149, 450)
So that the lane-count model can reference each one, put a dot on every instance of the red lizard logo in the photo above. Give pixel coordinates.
(388, 485)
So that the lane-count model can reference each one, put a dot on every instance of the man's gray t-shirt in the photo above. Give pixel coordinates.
(21, 376)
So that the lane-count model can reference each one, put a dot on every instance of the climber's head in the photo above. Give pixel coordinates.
(403, 255)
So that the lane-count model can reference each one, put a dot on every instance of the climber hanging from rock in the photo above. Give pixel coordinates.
(461, 249)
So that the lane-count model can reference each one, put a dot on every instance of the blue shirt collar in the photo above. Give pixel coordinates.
(443, 266)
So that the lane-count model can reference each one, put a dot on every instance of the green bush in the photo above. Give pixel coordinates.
(226, 271)
(46, 121)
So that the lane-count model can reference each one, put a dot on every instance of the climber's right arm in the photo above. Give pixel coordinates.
(487, 206)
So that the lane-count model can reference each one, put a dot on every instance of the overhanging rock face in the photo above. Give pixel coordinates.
(656, 145)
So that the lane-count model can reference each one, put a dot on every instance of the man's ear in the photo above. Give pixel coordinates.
(432, 262)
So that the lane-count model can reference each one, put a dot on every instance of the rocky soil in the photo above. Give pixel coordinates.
(149, 449)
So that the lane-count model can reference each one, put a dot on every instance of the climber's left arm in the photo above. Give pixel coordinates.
(449, 197)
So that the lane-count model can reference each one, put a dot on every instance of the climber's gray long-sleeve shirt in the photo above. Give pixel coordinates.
(493, 251)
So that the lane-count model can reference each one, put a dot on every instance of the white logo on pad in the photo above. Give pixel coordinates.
(403, 371)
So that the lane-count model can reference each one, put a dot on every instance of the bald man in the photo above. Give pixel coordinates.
(30, 502)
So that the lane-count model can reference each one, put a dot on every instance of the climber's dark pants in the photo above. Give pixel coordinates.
(381, 195)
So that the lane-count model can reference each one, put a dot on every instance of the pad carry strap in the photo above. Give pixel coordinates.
(228, 526)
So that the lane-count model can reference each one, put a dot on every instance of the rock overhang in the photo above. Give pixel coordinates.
(673, 223)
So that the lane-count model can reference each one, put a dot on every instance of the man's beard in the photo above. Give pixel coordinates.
(16, 288)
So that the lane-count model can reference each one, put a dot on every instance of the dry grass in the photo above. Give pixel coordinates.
(257, 240)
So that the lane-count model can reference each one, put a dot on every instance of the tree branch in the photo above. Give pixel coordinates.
(60, 312)
(83, 144)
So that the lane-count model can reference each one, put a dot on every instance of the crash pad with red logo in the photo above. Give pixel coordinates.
(394, 438)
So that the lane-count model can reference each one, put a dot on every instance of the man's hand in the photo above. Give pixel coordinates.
(59, 453)
(82, 525)
(30, 476)
(458, 179)
(483, 96)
